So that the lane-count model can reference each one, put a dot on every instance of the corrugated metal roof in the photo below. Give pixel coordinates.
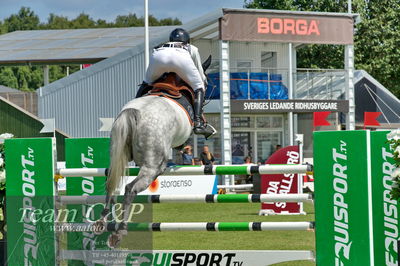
(156, 38)
(8, 89)
(72, 45)
(79, 100)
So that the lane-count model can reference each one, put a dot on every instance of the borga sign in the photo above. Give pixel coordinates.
(287, 26)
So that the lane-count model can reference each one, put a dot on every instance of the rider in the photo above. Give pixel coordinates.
(183, 58)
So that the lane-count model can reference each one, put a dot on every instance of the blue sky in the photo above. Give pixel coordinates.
(185, 10)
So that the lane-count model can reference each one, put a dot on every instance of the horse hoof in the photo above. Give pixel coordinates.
(99, 227)
(114, 240)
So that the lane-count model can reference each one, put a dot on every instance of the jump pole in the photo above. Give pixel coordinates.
(198, 170)
(240, 186)
(208, 198)
(200, 226)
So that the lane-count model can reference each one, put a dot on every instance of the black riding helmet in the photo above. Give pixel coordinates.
(179, 35)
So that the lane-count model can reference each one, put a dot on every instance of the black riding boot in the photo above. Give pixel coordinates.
(200, 128)
(142, 89)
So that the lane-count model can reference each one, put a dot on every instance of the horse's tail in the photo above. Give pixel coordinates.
(122, 134)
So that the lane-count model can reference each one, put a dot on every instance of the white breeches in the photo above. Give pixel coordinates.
(176, 60)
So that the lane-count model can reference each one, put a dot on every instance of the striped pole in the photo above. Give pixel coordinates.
(201, 198)
(199, 170)
(207, 226)
(240, 186)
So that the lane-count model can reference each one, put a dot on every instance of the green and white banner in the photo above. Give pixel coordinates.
(86, 153)
(30, 202)
(385, 210)
(342, 198)
(356, 221)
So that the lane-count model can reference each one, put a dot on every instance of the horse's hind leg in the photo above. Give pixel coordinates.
(100, 224)
(145, 177)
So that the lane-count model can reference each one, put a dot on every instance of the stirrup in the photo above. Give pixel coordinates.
(206, 130)
(211, 129)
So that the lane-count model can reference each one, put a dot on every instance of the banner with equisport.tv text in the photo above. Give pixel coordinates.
(356, 221)
(29, 196)
(385, 210)
(86, 153)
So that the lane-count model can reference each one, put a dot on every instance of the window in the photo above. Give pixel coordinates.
(267, 143)
(268, 60)
(242, 121)
(275, 122)
(243, 66)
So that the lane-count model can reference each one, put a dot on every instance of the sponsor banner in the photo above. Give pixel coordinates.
(86, 153)
(179, 185)
(286, 27)
(189, 257)
(282, 183)
(29, 196)
(342, 198)
(282, 106)
(385, 210)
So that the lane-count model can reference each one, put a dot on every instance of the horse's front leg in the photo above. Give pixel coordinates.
(145, 177)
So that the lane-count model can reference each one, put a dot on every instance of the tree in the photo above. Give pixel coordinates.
(31, 77)
(57, 22)
(26, 19)
(23, 77)
(3, 28)
(271, 4)
(130, 20)
(83, 21)
(36, 80)
(7, 78)
(376, 39)
(170, 22)
(101, 23)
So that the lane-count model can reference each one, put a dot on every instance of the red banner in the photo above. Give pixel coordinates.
(282, 183)
(370, 119)
(320, 119)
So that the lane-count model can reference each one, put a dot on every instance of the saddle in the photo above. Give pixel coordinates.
(171, 86)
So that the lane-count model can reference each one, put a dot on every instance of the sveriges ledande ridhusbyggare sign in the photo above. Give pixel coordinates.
(296, 106)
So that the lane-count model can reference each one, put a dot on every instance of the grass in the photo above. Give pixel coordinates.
(230, 212)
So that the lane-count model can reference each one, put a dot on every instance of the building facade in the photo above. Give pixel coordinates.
(257, 98)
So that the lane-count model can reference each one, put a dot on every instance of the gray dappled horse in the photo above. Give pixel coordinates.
(145, 131)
